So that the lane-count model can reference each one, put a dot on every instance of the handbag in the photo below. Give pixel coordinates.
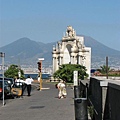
(64, 91)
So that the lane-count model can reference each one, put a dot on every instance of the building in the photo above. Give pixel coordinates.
(71, 50)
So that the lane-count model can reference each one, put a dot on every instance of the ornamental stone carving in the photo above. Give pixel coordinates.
(71, 50)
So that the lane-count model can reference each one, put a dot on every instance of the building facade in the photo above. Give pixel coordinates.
(71, 50)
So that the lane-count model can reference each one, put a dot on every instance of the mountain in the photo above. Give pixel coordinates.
(26, 51)
(99, 48)
(100, 52)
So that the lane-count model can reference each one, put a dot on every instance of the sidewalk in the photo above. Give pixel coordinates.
(41, 105)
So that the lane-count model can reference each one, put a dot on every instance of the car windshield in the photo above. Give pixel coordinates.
(5, 83)
(10, 80)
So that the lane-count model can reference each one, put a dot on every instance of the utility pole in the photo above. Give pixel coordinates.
(107, 67)
(3, 56)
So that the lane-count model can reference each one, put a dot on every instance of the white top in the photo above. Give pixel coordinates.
(19, 80)
(28, 81)
(61, 85)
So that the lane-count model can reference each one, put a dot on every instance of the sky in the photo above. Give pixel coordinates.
(46, 20)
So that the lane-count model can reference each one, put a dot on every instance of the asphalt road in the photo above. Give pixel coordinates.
(10, 98)
(41, 105)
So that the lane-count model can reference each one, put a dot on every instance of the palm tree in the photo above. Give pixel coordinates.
(104, 69)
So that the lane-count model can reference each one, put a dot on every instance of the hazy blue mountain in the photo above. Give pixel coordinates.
(23, 47)
(100, 52)
(26, 51)
(99, 48)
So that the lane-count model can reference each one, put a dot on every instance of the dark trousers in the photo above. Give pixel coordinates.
(23, 88)
(29, 89)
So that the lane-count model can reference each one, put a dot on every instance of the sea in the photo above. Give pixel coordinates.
(35, 75)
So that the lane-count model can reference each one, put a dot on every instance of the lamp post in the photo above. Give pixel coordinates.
(40, 71)
(3, 55)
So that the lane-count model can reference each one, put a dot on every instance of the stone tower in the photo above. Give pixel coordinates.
(71, 50)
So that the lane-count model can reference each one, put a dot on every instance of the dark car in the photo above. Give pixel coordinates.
(10, 80)
(7, 89)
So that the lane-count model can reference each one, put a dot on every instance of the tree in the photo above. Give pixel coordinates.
(104, 69)
(65, 72)
(12, 72)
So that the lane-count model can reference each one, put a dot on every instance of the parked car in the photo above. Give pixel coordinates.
(7, 89)
(10, 80)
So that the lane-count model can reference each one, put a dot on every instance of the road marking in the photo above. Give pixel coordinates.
(45, 88)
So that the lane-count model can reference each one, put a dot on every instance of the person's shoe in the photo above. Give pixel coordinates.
(64, 96)
(59, 97)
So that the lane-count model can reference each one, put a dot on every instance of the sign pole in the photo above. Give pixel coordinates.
(3, 79)
(3, 55)
(75, 78)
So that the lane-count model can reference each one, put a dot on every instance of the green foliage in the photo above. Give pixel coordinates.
(91, 111)
(65, 72)
(104, 69)
(114, 74)
(12, 72)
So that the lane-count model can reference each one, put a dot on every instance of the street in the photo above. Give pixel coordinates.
(41, 105)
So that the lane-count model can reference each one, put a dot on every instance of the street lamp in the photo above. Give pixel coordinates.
(40, 71)
(3, 56)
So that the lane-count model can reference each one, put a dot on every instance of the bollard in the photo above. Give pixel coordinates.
(81, 109)
(77, 91)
